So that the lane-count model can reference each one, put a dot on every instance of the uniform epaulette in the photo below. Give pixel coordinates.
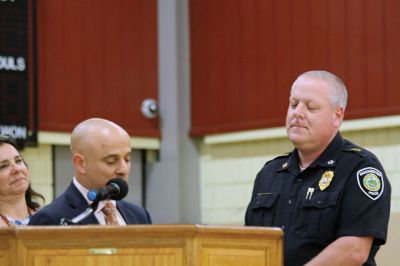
(357, 150)
(287, 154)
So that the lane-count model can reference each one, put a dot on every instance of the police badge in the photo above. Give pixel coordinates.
(325, 180)
(370, 180)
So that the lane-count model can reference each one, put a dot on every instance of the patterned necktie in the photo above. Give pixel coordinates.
(110, 214)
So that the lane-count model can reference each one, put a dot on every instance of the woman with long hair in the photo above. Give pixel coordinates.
(17, 198)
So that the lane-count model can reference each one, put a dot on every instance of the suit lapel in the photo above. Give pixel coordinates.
(128, 216)
(78, 204)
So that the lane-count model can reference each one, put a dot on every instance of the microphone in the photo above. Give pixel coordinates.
(115, 189)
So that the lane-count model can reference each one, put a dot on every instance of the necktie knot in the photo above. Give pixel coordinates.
(110, 214)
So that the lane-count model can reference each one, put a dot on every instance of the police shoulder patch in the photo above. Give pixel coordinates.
(370, 181)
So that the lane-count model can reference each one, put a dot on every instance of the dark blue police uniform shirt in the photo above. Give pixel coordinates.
(345, 192)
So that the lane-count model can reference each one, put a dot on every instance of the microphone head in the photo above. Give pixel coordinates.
(92, 194)
(121, 184)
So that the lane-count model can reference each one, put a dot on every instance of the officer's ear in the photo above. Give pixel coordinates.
(338, 116)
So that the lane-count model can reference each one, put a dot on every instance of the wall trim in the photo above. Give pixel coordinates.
(280, 132)
(59, 138)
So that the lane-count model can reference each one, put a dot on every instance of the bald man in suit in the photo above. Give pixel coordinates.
(101, 151)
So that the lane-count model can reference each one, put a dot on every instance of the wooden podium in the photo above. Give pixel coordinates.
(141, 245)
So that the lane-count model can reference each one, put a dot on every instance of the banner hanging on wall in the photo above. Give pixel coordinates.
(18, 93)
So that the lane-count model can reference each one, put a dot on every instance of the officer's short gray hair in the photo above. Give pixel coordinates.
(339, 91)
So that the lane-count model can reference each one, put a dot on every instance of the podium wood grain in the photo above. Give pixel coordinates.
(141, 245)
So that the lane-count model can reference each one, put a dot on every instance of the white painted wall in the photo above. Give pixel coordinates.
(228, 164)
(40, 164)
(228, 170)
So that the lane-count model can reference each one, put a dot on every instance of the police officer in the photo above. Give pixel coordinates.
(331, 197)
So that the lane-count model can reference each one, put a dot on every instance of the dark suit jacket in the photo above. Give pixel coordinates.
(71, 203)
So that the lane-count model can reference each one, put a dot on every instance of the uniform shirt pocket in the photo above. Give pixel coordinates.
(260, 211)
(318, 216)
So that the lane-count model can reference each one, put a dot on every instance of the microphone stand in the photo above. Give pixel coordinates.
(81, 216)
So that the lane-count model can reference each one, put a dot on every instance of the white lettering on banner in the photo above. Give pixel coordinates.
(16, 132)
(12, 63)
